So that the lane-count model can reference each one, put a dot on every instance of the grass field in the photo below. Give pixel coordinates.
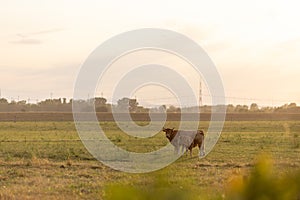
(46, 160)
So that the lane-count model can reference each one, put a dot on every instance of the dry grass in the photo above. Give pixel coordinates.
(46, 160)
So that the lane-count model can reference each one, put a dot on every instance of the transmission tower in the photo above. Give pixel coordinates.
(200, 94)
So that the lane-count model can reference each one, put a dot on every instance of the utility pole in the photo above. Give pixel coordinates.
(200, 93)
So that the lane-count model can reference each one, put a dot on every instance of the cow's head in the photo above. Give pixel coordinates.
(169, 132)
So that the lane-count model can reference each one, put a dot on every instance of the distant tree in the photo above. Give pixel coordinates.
(3, 101)
(100, 104)
(245, 108)
(205, 109)
(141, 109)
(241, 108)
(23, 102)
(173, 109)
(56, 101)
(46, 102)
(292, 105)
(267, 109)
(254, 107)
(99, 101)
(283, 108)
(292, 108)
(133, 104)
(123, 104)
(13, 102)
(219, 108)
(127, 103)
(162, 108)
(230, 108)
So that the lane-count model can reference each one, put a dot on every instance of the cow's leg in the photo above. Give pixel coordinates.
(201, 149)
(187, 150)
(184, 149)
(179, 149)
(176, 150)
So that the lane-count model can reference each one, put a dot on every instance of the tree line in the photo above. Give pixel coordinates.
(100, 104)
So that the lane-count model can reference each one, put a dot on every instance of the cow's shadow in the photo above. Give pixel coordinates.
(184, 158)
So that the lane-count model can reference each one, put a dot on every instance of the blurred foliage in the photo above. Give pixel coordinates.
(159, 189)
(264, 184)
(261, 184)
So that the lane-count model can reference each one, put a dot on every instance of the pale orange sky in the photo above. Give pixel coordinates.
(254, 44)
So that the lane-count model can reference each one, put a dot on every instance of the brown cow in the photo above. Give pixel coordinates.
(186, 140)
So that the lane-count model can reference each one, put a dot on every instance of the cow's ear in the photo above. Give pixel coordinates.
(173, 128)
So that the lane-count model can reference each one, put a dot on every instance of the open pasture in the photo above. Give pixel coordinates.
(47, 159)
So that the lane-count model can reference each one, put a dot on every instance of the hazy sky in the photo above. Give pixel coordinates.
(254, 44)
